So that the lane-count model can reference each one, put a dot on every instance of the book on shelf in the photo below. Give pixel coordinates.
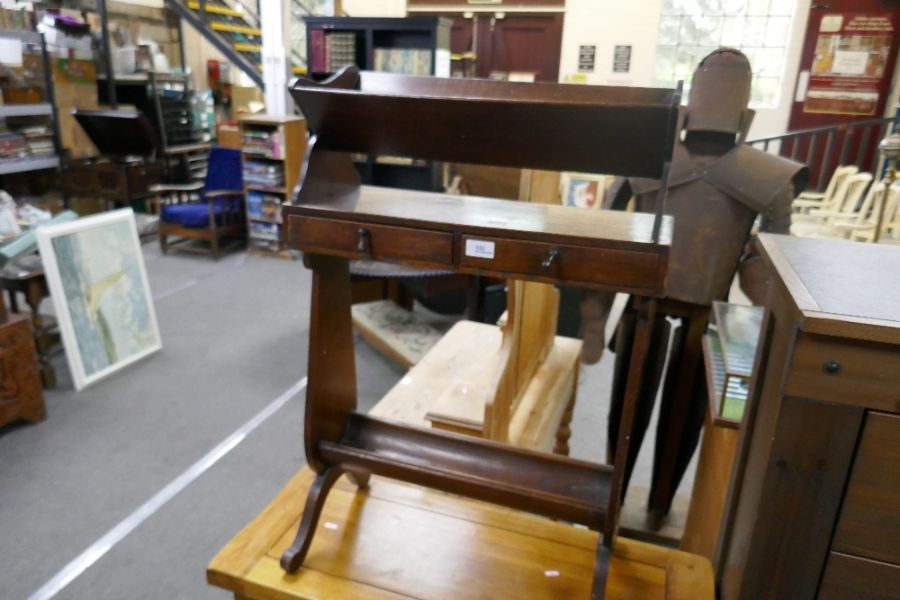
(331, 50)
(262, 174)
(266, 143)
(265, 231)
(263, 207)
(406, 61)
(12, 145)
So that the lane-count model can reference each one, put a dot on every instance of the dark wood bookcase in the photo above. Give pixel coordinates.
(372, 35)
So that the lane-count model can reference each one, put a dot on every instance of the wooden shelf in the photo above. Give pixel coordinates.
(259, 156)
(23, 165)
(259, 188)
(260, 220)
(25, 110)
(570, 489)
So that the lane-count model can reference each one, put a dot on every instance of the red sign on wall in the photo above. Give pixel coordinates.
(851, 55)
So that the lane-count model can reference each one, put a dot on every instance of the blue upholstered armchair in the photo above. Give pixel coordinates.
(208, 211)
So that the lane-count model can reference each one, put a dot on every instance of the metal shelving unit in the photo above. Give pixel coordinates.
(46, 108)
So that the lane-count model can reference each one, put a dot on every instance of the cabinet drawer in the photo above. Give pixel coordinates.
(626, 270)
(353, 240)
(853, 578)
(834, 370)
(869, 524)
(141, 177)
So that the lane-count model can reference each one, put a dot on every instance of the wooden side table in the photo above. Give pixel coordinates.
(33, 286)
(398, 540)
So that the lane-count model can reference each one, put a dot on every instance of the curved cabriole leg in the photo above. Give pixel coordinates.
(601, 570)
(293, 557)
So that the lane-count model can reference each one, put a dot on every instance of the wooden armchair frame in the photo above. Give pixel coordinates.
(232, 221)
(332, 219)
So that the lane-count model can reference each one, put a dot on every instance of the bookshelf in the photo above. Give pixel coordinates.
(411, 46)
(272, 149)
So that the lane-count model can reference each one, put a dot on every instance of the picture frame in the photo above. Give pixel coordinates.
(583, 190)
(96, 276)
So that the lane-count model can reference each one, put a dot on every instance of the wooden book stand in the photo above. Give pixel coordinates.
(614, 130)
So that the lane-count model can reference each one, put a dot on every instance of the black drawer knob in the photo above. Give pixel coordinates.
(832, 367)
(551, 258)
(362, 240)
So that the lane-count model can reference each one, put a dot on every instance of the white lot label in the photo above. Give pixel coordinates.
(480, 248)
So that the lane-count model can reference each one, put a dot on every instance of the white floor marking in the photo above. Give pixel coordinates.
(95, 551)
(223, 268)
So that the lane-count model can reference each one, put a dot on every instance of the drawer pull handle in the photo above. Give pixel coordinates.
(362, 240)
(551, 258)
(832, 367)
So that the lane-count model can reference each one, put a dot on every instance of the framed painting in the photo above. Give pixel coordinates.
(96, 276)
(583, 190)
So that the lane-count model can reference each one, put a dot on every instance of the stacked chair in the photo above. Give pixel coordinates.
(809, 200)
(849, 203)
(863, 229)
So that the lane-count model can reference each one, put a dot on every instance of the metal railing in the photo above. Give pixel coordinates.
(823, 149)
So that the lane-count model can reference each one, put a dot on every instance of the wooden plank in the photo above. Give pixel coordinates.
(454, 366)
(491, 554)
(267, 580)
(859, 579)
(870, 521)
(704, 519)
(441, 546)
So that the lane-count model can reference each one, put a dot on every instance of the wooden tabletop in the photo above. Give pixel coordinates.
(399, 541)
(842, 288)
(490, 216)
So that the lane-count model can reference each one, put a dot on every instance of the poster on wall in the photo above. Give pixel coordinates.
(850, 58)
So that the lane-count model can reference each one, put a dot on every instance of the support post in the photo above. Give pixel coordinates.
(107, 55)
(274, 21)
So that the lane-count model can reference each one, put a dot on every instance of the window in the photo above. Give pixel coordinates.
(691, 29)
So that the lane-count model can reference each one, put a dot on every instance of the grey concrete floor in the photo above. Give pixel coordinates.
(234, 339)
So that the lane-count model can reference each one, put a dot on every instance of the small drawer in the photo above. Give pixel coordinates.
(869, 524)
(357, 240)
(834, 370)
(853, 578)
(621, 269)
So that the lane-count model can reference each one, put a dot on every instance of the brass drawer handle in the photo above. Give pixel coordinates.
(551, 258)
(362, 240)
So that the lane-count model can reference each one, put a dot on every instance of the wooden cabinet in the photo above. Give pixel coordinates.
(814, 502)
(21, 396)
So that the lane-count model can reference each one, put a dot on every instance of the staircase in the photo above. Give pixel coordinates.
(232, 27)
